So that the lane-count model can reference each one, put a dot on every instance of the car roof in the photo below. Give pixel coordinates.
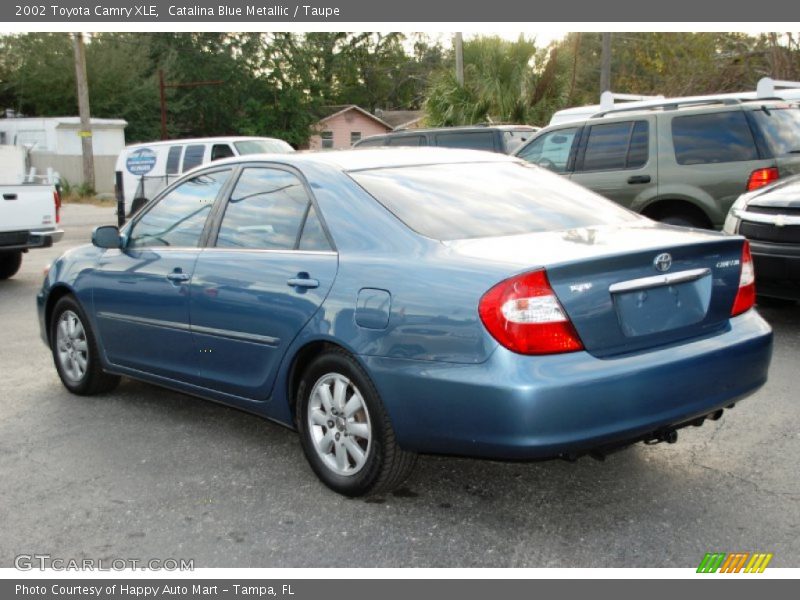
(205, 140)
(681, 105)
(375, 158)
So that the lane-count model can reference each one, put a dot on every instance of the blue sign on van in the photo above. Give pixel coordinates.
(141, 162)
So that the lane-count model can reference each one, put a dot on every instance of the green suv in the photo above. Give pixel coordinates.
(677, 162)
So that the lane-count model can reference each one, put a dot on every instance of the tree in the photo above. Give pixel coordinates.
(504, 81)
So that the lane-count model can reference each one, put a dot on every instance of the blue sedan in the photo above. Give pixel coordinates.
(387, 303)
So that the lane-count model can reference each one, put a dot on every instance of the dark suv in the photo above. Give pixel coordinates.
(494, 138)
(678, 162)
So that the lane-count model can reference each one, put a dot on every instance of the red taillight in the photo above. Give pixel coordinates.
(761, 177)
(57, 203)
(746, 296)
(524, 315)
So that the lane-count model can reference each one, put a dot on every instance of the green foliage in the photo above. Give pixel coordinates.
(268, 84)
(504, 82)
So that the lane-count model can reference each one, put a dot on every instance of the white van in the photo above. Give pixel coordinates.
(143, 170)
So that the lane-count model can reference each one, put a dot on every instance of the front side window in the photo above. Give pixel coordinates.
(713, 138)
(178, 218)
(551, 150)
(266, 211)
(219, 151)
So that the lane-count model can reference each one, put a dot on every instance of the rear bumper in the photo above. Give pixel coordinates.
(21, 240)
(777, 269)
(523, 407)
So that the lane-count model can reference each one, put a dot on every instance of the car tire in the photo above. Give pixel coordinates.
(10, 263)
(681, 221)
(345, 430)
(75, 352)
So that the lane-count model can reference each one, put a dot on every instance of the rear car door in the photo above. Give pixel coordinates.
(708, 158)
(262, 279)
(141, 292)
(618, 160)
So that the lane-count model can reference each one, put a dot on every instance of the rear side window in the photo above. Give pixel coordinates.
(406, 140)
(193, 156)
(470, 200)
(713, 138)
(265, 211)
(514, 138)
(475, 140)
(372, 142)
(780, 128)
(613, 146)
(174, 159)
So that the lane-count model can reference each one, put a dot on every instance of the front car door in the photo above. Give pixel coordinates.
(259, 282)
(141, 292)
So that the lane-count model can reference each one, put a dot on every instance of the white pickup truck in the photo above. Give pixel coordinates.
(29, 212)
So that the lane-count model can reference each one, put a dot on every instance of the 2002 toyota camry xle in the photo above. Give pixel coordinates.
(392, 302)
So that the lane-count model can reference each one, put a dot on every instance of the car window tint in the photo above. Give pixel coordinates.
(713, 138)
(219, 151)
(372, 142)
(638, 150)
(193, 156)
(313, 236)
(780, 128)
(468, 200)
(475, 140)
(265, 211)
(406, 140)
(551, 150)
(174, 159)
(621, 145)
(178, 218)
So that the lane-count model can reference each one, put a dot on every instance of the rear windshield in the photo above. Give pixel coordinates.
(781, 129)
(472, 200)
(262, 147)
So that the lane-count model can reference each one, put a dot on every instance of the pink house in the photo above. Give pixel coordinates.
(343, 126)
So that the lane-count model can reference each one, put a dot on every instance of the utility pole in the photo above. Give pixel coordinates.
(162, 87)
(459, 47)
(605, 64)
(83, 110)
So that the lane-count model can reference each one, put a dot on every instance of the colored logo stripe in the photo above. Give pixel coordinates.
(758, 563)
(734, 562)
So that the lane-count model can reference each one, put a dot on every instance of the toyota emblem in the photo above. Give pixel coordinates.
(662, 262)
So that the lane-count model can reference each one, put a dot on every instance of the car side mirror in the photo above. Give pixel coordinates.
(106, 236)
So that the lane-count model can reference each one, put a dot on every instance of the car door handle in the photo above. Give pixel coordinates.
(303, 282)
(9, 196)
(177, 277)
(639, 179)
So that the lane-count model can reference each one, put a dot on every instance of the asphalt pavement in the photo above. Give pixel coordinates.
(144, 473)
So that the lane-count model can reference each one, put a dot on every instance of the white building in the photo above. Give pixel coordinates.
(55, 142)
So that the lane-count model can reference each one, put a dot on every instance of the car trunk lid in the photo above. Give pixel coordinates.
(633, 288)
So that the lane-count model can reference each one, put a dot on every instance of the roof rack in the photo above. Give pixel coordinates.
(672, 104)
